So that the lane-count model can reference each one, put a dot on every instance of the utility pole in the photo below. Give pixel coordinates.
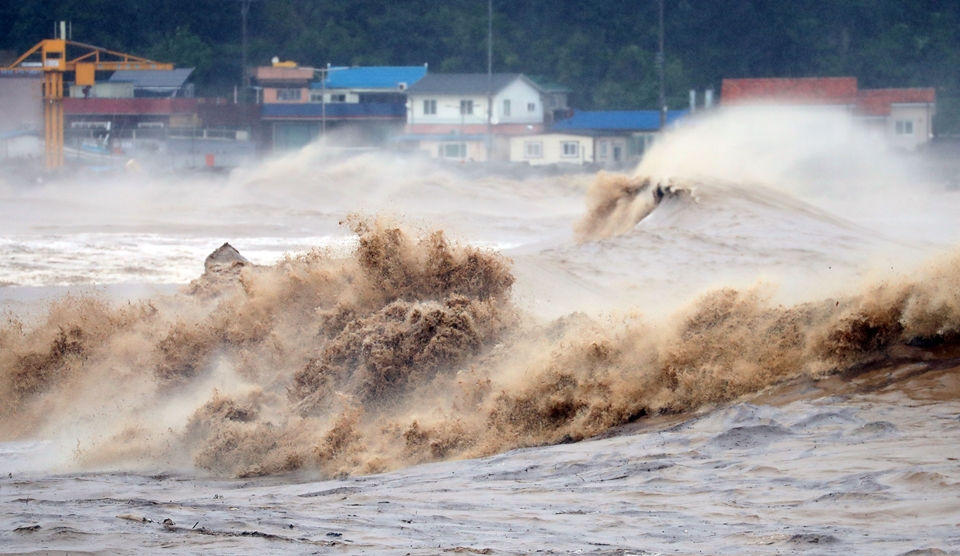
(660, 63)
(244, 74)
(489, 79)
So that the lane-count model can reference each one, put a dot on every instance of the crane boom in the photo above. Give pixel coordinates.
(53, 62)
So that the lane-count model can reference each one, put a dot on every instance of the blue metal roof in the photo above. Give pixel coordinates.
(617, 120)
(339, 110)
(377, 77)
(170, 79)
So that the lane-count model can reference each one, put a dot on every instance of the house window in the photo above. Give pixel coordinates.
(533, 149)
(338, 98)
(570, 148)
(453, 150)
(430, 107)
(506, 107)
(603, 149)
(288, 94)
(531, 107)
(466, 107)
(316, 97)
(904, 127)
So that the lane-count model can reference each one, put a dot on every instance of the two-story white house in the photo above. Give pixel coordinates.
(448, 114)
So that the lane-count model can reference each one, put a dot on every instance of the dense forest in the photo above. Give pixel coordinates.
(602, 50)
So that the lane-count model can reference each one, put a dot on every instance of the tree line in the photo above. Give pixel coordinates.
(604, 51)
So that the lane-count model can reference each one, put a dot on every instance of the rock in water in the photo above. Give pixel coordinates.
(224, 255)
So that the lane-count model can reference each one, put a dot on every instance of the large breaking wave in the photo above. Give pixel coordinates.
(412, 350)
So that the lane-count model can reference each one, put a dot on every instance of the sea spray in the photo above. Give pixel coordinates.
(411, 350)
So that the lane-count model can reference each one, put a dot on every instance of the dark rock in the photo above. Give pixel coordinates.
(225, 255)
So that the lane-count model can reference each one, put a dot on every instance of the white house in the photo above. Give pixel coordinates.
(448, 114)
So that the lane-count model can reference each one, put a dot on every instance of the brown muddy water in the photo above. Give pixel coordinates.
(746, 346)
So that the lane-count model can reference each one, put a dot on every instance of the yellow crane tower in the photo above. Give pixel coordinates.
(50, 57)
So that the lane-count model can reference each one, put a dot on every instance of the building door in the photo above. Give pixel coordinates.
(617, 153)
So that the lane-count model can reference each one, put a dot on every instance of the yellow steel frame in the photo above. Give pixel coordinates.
(54, 63)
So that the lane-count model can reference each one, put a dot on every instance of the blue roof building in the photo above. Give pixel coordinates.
(361, 106)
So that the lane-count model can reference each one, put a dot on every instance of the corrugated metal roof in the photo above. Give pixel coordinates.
(804, 90)
(877, 102)
(616, 120)
(314, 111)
(377, 77)
(465, 83)
(153, 79)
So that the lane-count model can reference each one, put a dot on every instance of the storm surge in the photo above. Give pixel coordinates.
(412, 349)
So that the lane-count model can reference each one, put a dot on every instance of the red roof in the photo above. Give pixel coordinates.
(876, 102)
(130, 106)
(804, 90)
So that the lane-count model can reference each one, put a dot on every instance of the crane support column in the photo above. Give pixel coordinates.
(53, 117)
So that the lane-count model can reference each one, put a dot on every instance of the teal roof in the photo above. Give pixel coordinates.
(376, 77)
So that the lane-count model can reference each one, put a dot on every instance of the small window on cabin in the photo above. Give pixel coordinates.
(288, 94)
(533, 149)
(506, 107)
(338, 98)
(904, 127)
(531, 107)
(453, 150)
(430, 107)
(570, 148)
(466, 107)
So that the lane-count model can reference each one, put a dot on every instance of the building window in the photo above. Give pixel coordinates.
(570, 148)
(338, 98)
(316, 97)
(453, 150)
(531, 107)
(430, 107)
(533, 149)
(603, 149)
(466, 107)
(288, 94)
(506, 107)
(904, 127)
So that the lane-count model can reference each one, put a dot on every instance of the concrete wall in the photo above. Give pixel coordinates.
(21, 99)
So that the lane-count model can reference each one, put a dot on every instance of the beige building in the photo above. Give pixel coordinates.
(552, 148)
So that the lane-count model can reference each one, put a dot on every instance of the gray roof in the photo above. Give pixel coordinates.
(465, 83)
(153, 79)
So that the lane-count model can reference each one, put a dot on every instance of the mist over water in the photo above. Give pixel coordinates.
(393, 312)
